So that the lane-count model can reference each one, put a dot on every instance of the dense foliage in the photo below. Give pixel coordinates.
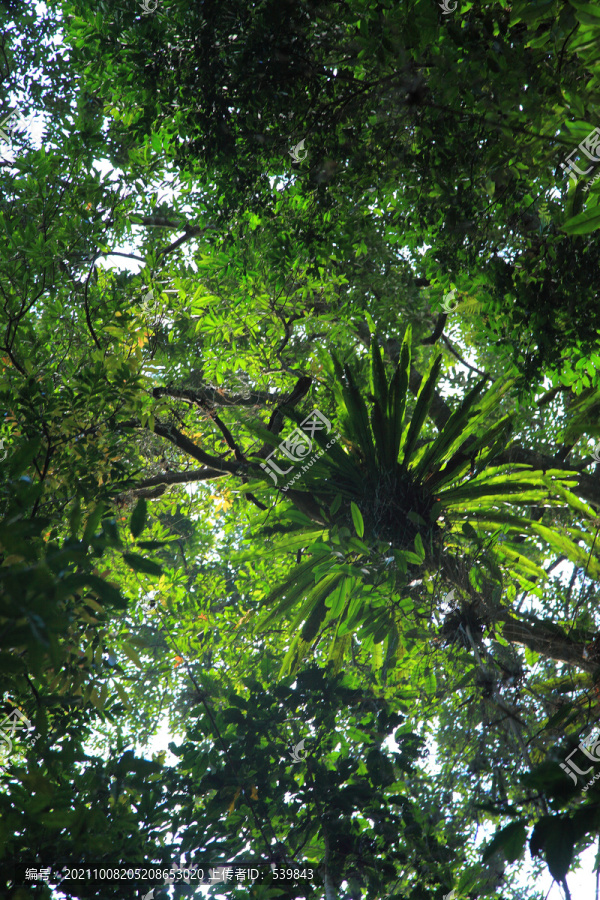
(366, 637)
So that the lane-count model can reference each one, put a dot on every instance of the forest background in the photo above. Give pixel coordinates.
(216, 220)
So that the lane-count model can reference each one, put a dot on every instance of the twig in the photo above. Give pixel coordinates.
(229, 440)
(86, 306)
(194, 231)
(461, 360)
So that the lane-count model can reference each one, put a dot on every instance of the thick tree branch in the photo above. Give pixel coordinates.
(168, 478)
(538, 637)
(438, 329)
(229, 440)
(214, 467)
(183, 443)
(277, 417)
(533, 633)
(214, 396)
(162, 222)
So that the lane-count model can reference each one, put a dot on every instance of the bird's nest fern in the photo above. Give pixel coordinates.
(382, 493)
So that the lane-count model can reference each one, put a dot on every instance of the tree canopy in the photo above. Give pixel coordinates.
(300, 371)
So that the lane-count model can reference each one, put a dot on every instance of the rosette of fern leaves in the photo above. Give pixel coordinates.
(387, 514)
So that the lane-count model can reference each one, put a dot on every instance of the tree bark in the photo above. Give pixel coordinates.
(545, 641)
(212, 397)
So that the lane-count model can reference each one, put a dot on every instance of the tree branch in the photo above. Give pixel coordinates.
(536, 636)
(214, 397)
(277, 417)
(438, 329)
(229, 440)
(532, 633)
(190, 232)
(152, 488)
(460, 359)
(183, 443)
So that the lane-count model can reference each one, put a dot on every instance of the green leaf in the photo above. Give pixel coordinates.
(378, 379)
(359, 420)
(131, 654)
(511, 840)
(419, 547)
(397, 396)
(424, 400)
(334, 508)
(284, 596)
(584, 223)
(560, 840)
(92, 523)
(311, 626)
(451, 432)
(357, 519)
(587, 13)
(138, 517)
(140, 564)
(75, 519)
(559, 716)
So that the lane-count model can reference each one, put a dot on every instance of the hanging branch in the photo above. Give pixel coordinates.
(460, 359)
